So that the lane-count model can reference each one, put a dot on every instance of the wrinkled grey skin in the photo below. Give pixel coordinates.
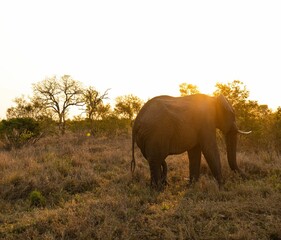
(172, 125)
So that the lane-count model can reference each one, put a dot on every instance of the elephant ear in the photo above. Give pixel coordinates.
(223, 102)
(225, 114)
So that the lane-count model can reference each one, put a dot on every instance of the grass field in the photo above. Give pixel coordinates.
(78, 187)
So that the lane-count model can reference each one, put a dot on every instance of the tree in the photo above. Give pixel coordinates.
(128, 106)
(236, 92)
(27, 109)
(188, 89)
(58, 95)
(103, 111)
(22, 109)
(94, 103)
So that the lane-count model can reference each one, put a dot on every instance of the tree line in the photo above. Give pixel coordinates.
(54, 97)
(47, 111)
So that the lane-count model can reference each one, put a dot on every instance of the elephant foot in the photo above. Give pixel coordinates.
(221, 186)
(165, 182)
(191, 182)
(243, 175)
(160, 186)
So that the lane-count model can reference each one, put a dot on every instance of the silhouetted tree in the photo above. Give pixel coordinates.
(93, 100)
(58, 95)
(95, 108)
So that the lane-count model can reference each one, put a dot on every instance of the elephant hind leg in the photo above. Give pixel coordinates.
(157, 174)
(164, 173)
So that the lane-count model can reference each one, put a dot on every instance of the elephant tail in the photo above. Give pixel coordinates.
(133, 162)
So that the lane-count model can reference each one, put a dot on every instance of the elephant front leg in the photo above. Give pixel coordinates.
(194, 156)
(211, 154)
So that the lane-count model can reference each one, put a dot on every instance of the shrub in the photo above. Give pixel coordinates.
(37, 199)
(110, 126)
(16, 132)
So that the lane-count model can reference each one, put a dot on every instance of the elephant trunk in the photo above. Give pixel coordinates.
(231, 145)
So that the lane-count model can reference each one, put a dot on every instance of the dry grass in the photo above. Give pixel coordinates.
(89, 194)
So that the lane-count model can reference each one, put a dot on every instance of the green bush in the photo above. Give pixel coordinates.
(37, 199)
(16, 132)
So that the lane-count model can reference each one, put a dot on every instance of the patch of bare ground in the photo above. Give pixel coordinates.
(89, 193)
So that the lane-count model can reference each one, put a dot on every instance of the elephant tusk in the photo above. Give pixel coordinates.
(242, 132)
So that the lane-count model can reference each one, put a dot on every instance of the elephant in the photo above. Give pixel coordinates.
(168, 125)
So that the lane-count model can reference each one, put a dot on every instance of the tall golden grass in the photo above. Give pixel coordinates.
(89, 193)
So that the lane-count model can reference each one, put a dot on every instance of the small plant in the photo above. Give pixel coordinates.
(37, 199)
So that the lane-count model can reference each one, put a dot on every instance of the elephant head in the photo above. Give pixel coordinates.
(227, 124)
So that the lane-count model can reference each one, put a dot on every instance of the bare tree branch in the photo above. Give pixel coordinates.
(58, 95)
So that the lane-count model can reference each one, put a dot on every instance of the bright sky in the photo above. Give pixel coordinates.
(146, 47)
